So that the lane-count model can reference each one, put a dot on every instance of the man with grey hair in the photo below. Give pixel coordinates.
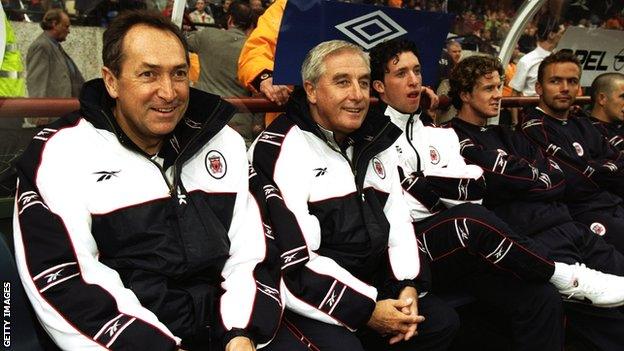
(350, 266)
(608, 111)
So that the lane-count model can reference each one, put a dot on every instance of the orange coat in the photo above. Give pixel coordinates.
(258, 53)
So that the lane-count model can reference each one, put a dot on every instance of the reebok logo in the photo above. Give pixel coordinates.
(320, 171)
(106, 175)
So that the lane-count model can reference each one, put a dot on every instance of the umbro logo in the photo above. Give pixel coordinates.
(371, 29)
(320, 171)
(106, 175)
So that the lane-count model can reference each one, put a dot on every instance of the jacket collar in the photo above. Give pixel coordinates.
(205, 116)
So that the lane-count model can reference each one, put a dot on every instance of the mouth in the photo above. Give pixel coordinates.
(164, 109)
(414, 95)
(353, 110)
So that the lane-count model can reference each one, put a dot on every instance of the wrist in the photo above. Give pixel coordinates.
(264, 75)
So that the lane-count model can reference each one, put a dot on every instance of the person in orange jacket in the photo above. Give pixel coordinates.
(255, 63)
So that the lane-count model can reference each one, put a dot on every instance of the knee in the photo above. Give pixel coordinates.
(443, 323)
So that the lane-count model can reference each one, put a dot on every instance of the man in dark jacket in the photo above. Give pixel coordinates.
(593, 169)
(525, 189)
(134, 226)
(352, 260)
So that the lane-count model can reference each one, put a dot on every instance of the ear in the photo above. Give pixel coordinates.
(464, 96)
(601, 99)
(111, 82)
(379, 86)
(538, 88)
(310, 90)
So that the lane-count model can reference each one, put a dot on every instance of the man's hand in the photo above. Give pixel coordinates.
(388, 317)
(408, 293)
(429, 95)
(279, 94)
(240, 343)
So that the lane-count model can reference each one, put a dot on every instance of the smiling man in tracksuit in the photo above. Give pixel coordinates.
(358, 261)
(468, 246)
(525, 189)
(134, 226)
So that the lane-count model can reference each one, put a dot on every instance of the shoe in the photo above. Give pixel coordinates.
(595, 288)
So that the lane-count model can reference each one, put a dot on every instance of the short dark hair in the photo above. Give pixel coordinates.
(382, 53)
(605, 83)
(545, 26)
(51, 16)
(560, 56)
(242, 15)
(112, 50)
(466, 73)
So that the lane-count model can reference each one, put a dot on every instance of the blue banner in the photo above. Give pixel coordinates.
(309, 22)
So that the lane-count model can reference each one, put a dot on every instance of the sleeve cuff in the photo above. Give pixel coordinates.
(265, 74)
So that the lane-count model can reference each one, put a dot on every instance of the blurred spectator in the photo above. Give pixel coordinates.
(51, 72)
(257, 6)
(202, 14)
(218, 52)
(13, 138)
(449, 59)
(549, 32)
(220, 14)
(528, 40)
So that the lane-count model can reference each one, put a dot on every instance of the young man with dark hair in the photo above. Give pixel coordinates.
(608, 111)
(134, 226)
(350, 261)
(524, 188)
(469, 248)
(593, 169)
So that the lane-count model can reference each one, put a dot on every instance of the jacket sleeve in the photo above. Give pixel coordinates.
(603, 169)
(513, 175)
(403, 254)
(258, 53)
(251, 304)
(457, 182)
(81, 303)
(315, 286)
(37, 66)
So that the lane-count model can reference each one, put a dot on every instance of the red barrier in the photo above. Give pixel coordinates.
(48, 107)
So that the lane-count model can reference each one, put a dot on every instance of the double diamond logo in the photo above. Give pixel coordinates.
(371, 29)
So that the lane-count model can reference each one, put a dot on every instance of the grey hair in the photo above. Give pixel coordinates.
(313, 65)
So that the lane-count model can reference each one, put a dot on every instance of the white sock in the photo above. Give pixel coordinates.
(563, 278)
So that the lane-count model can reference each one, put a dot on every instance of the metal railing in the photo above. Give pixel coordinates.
(56, 107)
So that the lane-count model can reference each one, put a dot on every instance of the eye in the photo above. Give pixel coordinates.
(342, 83)
(401, 74)
(180, 74)
(147, 74)
(364, 84)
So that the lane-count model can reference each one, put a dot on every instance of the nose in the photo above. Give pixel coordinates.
(413, 79)
(166, 89)
(356, 93)
(565, 86)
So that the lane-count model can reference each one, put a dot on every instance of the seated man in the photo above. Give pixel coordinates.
(608, 110)
(134, 227)
(352, 257)
(594, 171)
(468, 246)
(525, 189)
